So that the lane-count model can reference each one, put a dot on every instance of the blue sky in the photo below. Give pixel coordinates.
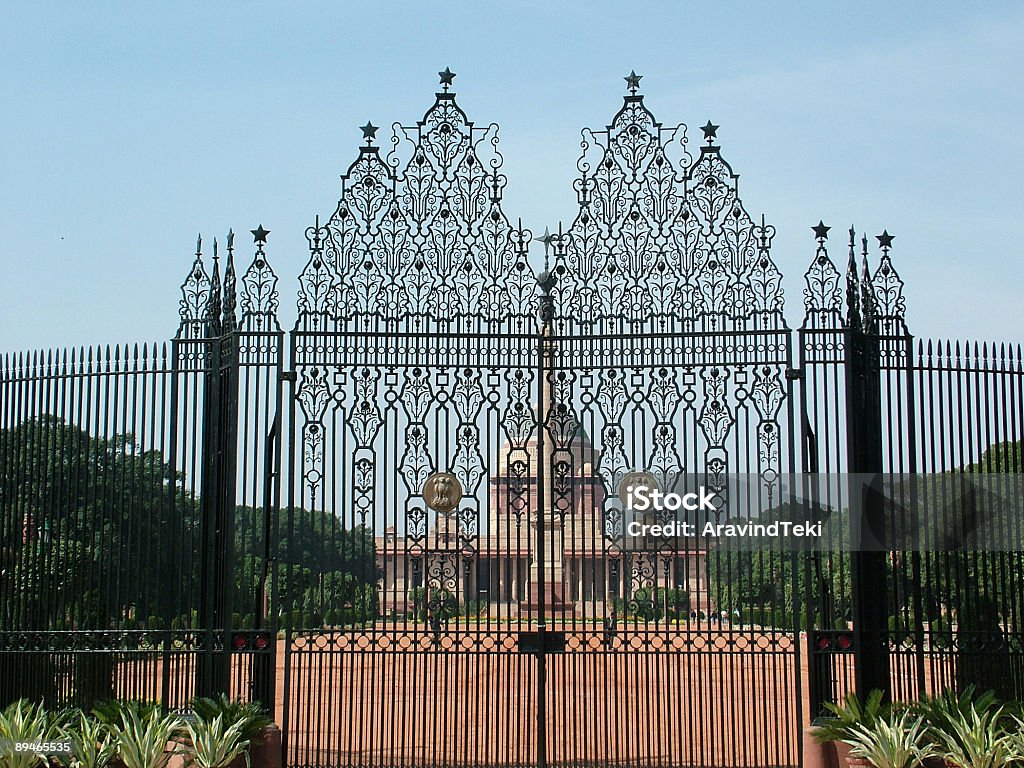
(130, 128)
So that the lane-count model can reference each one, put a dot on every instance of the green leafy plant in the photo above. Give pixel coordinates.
(939, 711)
(1015, 735)
(113, 712)
(92, 744)
(846, 717)
(975, 737)
(250, 717)
(895, 741)
(24, 721)
(142, 740)
(215, 743)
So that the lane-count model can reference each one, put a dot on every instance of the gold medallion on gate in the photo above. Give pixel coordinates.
(442, 492)
(634, 481)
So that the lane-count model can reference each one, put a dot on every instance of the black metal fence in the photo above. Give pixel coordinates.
(402, 527)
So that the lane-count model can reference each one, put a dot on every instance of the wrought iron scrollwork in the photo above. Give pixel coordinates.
(195, 298)
(660, 238)
(259, 297)
(420, 237)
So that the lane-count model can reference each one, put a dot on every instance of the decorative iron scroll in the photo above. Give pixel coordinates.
(195, 298)
(259, 299)
(660, 238)
(420, 236)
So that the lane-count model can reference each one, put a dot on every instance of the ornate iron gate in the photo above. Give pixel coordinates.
(523, 625)
(405, 525)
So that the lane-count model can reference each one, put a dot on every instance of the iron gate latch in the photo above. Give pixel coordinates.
(542, 642)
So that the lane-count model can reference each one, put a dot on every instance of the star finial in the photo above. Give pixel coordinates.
(885, 239)
(369, 132)
(259, 235)
(447, 78)
(710, 131)
(821, 231)
(633, 81)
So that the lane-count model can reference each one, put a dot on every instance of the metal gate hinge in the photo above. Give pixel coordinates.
(794, 374)
(287, 376)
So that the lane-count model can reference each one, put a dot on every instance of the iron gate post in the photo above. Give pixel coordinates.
(867, 557)
(217, 498)
(546, 282)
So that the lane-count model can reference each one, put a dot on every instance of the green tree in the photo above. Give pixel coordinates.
(321, 566)
(97, 534)
(93, 530)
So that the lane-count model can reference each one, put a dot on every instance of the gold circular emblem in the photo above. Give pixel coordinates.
(442, 491)
(632, 482)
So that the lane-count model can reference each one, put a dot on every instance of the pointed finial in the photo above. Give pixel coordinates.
(228, 313)
(820, 231)
(710, 132)
(215, 250)
(547, 239)
(633, 81)
(199, 245)
(369, 132)
(447, 78)
(853, 298)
